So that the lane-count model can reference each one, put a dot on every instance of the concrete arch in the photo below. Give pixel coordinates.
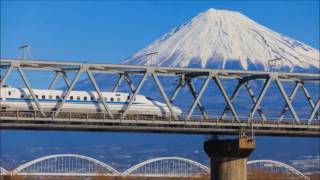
(144, 163)
(3, 171)
(19, 170)
(279, 164)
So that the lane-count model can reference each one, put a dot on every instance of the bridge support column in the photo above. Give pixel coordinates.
(228, 158)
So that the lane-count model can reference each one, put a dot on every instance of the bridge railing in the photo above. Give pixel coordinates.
(103, 116)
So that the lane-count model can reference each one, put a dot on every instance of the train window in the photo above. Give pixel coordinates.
(99, 98)
(92, 98)
(37, 96)
(43, 96)
(118, 99)
(50, 96)
(128, 97)
(9, 93)
(112, 99)
(105, 99)
(29, 96)
(78, 97)
(71, 97)
(57, 97)
(85, 98)
(22, 96)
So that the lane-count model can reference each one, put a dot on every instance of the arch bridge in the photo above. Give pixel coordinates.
(84, 166)
(3, 171)
(168, 166)
(228, 122)
(65, 165)
(275, 167)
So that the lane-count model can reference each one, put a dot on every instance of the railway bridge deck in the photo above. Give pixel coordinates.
(146, 123)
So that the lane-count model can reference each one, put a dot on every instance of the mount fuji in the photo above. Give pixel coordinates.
(226, 40)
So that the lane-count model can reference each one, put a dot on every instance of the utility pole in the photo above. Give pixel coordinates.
(25, 49)
(272, 64)
(151, 55)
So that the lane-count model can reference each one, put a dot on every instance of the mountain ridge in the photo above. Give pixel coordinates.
(225, 40)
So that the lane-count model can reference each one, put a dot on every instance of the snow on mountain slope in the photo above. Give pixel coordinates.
(225, 39)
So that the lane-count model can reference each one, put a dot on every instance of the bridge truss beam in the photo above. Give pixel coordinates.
(56, 77)
(186, 76)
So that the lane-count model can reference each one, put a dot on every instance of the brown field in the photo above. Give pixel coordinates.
(315, 176)
(256, 175)
(262, 175)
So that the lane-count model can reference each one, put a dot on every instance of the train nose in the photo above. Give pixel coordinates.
(178, 111)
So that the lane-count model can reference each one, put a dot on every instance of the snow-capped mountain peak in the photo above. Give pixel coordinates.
(225, 39)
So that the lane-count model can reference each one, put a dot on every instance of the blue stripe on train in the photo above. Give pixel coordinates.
(56, 100)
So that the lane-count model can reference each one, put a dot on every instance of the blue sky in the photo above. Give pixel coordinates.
(108, 32)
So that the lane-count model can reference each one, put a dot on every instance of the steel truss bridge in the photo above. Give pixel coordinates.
(256, 120)
(83, 166)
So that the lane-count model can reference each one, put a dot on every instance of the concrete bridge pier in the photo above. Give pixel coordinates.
(228, 157)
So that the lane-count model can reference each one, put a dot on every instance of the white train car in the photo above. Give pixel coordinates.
(80, 101)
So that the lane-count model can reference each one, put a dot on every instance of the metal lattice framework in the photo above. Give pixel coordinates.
(187, 76)
(168, 166)
(3, 171)
(275, 167)
(65, 165)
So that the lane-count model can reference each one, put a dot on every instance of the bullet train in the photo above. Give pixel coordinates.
(80, 101)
